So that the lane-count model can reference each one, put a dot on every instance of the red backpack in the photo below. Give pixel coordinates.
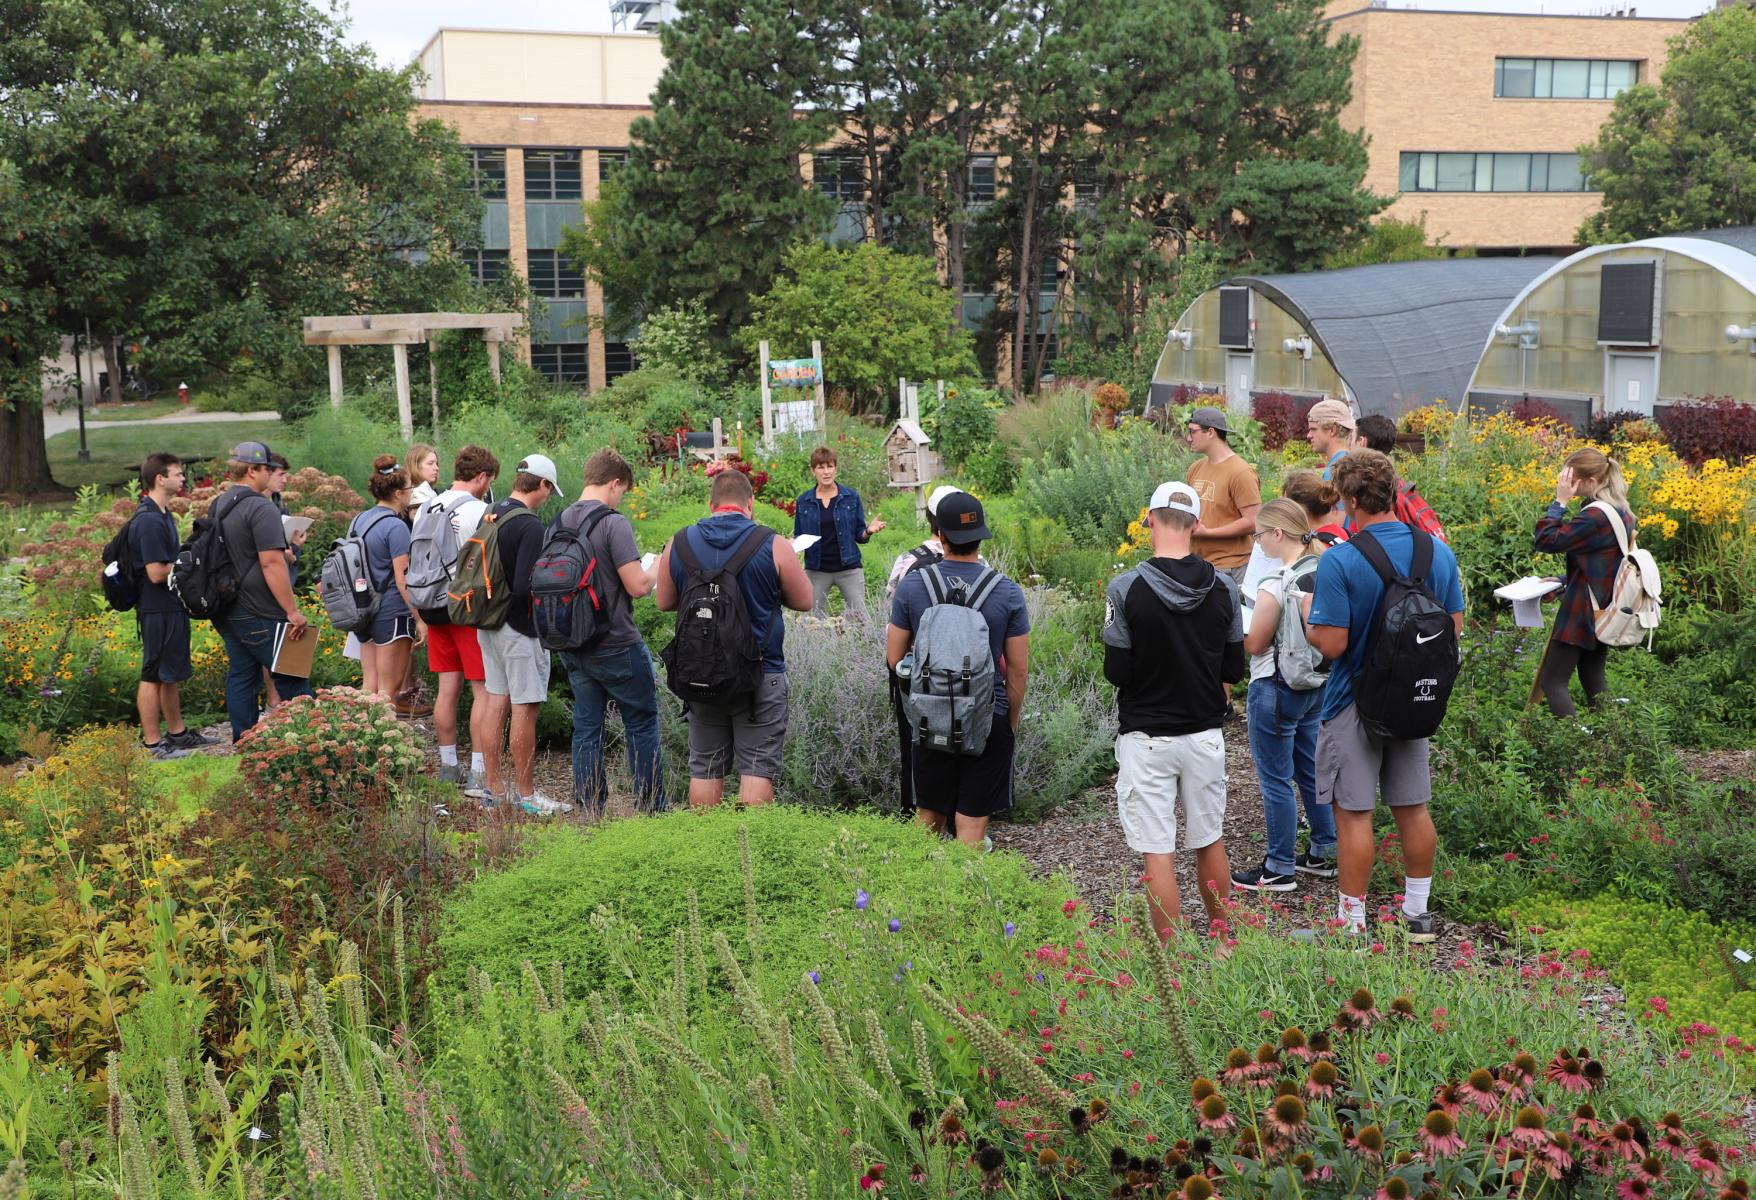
(1413, 510)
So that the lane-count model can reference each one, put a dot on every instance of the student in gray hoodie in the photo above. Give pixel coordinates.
(1173, 634)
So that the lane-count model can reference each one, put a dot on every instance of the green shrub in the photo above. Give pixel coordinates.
(1047, 428)
(1107, 480)
(1653, 951)
(963, 424)
(805, 867)
(340, 750)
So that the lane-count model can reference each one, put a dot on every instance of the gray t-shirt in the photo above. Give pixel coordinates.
(613, 544)
(251, 524)
(1004, 612)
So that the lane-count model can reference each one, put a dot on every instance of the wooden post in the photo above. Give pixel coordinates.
(767, 401)
(822, 408)
(718, 439)
(494, 360)
(334, 376)
(902, 397)
(433, 382)
(405, 413)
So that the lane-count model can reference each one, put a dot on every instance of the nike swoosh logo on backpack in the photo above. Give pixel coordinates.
(1422, 641)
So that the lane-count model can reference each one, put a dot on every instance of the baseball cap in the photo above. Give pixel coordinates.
(961, 519)
(938, 495)
(1212, 418)
(543, 467)
(254, 454)
(1332, 412)
(1178, 497)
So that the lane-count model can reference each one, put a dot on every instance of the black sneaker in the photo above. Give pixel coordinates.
(190, 739)
(1261, 879)
(1419, 929)
(1323, 868)
(163, 751)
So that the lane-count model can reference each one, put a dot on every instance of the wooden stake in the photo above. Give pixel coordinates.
(405, 413)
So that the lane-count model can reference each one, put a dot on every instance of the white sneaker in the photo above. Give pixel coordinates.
(541, 805)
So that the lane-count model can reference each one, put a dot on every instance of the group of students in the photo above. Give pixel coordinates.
(1293, 593)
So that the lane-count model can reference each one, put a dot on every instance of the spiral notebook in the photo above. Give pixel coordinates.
(294, 656)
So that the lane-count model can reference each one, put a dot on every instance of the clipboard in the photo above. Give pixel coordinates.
(293, 656)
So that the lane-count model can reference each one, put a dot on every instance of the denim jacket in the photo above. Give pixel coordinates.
(849, 516)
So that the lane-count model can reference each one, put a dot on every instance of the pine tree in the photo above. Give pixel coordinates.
(714, 191)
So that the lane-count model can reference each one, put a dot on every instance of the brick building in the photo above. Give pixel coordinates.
(1474, 118)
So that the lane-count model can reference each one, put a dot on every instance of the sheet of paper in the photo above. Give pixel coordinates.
(647, 560)
(296, 525)
(1526, 596)
(805, 541)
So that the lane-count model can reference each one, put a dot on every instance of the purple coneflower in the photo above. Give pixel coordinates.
(1213, 1114)
(1439, 1134)
(1478, 1088)
(1320, 1083)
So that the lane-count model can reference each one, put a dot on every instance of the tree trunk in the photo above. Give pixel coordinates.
(1025, 261)
(24, 459)
(113, 365)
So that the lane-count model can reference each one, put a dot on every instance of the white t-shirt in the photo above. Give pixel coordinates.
(467, 515)
(1262, 665)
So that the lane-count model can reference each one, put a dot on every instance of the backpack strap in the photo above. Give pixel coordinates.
(684, 551)
(934, 581)
(1373, 551)
(371, 525)
(1623, 540)
(985, 585)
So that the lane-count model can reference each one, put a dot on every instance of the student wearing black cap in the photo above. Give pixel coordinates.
(948, 781)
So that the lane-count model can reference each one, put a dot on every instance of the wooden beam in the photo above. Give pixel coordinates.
(364, 337)
(413, 321)
(405, 413)
(335, 377)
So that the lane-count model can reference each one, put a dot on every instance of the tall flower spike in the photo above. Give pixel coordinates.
(1164, 987)
(998, 1051)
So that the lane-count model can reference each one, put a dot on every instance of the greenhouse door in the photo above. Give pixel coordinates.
(1238, 369)
(1631, 383)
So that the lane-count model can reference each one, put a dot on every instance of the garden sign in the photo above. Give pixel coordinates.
(792, 416)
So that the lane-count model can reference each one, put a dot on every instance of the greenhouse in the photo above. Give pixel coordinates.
(1387, 338)
(1633, 327)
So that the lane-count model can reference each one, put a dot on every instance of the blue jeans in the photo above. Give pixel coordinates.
(1283, 740)
(624, 675)
(249, 643)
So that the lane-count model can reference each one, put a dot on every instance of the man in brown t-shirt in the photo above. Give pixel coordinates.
(1230, 495)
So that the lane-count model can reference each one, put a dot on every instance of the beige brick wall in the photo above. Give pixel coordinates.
(1425, 81)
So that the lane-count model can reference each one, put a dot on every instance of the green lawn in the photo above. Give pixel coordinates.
(116, 453)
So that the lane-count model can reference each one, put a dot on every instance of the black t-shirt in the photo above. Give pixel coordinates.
(520, 542)
(250, 525)
(152, 538)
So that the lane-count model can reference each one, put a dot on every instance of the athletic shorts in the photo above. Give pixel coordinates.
(747, 735)
(392, 628)
(969, 785)
(1353, 767)
(514, 665)
(1157, 775)
(164, 646)
(454, 648)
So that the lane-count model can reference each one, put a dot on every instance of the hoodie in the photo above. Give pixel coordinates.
(714, 540)
(1173, 634)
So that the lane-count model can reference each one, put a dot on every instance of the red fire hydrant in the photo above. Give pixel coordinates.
(183, 392)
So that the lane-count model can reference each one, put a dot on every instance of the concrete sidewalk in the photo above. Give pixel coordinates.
(61, 422)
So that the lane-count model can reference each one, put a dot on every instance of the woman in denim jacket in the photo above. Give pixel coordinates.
(834, 513)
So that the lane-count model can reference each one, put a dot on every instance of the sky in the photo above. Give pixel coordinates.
(397, 29)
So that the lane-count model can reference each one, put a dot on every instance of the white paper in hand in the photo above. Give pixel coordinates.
(1526, 596)
(647, 560)
(805, 541)
(295, 525)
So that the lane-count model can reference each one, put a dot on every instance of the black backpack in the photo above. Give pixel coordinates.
(1411, 652)
(204, 579)
(565, 604)
(714, 655)
(121, 582)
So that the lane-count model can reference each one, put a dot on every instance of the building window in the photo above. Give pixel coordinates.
(488, 164)
(1564, 78)
(551, 175)
(1427, 171)
(619, 360)
(609, 162)
(486, 266)
(554, 278)
(1085, 187)
(840, 176)
(981, 181)
(568, 362)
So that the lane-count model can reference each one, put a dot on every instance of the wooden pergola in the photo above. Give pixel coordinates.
(399, 331)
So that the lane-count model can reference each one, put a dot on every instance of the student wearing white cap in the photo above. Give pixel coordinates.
(514, 662)
(1173, 642)
(930, 551)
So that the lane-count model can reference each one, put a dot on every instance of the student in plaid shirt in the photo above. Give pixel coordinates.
(1593, 558)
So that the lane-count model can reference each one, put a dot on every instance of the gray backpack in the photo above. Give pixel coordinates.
(950, 701)
(1296, 662)
(433, 551)
(350, 598)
